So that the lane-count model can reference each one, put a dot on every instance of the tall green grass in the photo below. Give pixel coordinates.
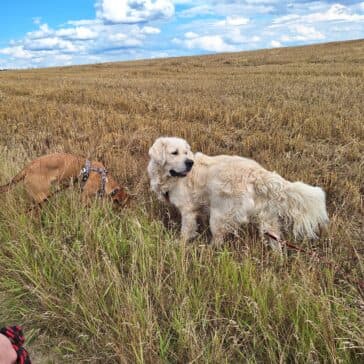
(106, 287)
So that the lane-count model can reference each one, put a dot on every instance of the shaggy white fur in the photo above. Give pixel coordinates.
(234, 190)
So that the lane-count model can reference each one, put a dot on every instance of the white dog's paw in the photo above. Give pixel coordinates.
(188, 237)
(216, 242)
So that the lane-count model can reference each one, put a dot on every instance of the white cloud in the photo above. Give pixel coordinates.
(286, 19)
(177, 41)
(16, 52)
(37, 20)
(80, 33)
(84, 22)
(196, 10)
(233, 20)
(225, 8)
(335, 12)
(184, 1)
(121, 40)
(239, 7)
(127, 36)
(275, 44)
(91, 42)
(211, 43)
(234, 36)
(134, 11)
(51, 43)
(117, 37)
(190, 35)
(150, 30)
(42, 32)
(302, 33)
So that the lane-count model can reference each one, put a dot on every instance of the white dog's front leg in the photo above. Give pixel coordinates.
(217, 228)
(189, 225)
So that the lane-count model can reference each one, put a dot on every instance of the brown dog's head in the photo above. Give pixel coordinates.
(119, 196)
(115, 192)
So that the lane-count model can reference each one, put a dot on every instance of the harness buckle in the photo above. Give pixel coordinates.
(85, 174)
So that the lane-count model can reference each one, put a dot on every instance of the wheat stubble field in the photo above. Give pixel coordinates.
(102, 286)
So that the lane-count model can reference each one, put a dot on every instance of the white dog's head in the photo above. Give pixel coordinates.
(173, 155)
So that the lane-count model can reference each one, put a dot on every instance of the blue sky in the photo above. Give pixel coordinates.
(64, 32)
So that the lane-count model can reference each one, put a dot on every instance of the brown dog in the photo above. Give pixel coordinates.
(61, 168)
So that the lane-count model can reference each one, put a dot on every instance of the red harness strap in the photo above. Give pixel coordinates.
(289, 245)
(16, 337)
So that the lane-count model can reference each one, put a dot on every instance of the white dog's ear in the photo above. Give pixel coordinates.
(157, 152)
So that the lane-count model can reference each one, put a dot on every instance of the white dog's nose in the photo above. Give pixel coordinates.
(189, 163)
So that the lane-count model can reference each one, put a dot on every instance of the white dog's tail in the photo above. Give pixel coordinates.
(301, 204)
(305, 208)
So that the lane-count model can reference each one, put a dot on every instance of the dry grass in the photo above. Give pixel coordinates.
(99, 286)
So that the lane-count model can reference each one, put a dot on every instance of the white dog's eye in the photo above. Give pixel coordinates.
(175, 153)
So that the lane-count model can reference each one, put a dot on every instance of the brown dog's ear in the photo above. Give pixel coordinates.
(157, 152)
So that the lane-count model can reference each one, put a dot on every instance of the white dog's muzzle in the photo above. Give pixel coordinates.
(188, 164)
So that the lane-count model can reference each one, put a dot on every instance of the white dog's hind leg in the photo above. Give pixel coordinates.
(268, 223)
(227, 214)
(189, 225)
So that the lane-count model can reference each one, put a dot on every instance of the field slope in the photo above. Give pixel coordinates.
(102, 286)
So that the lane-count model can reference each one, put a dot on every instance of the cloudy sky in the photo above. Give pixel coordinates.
(64, 32)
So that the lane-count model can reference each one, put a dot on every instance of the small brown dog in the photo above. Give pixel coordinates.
(61, 168)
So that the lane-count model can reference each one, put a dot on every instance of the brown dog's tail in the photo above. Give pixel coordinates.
(19, 177)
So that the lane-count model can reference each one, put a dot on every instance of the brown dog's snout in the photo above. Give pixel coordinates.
(120, 197)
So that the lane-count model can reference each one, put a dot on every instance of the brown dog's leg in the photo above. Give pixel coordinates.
(37, 187)
(37, 207)
(40, 203)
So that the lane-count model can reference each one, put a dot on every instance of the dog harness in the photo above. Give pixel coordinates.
(15, 335)
(85, 174)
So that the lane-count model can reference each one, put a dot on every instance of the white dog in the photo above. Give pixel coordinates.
(234, 190)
